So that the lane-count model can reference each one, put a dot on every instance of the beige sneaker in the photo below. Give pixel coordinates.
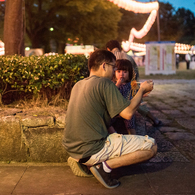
(79, 169)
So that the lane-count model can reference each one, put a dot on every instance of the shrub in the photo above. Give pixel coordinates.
(42, 77)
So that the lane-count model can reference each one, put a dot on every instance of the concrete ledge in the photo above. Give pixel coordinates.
(10, 140)
(32, 135)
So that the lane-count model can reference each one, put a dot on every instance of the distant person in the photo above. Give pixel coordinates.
(94, 101)
(143, 60)
(115, 47)
(188, 59)
(177, 61)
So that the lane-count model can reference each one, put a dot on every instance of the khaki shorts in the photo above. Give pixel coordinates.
(117, 145)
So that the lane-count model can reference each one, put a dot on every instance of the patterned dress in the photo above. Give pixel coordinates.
(125, 90)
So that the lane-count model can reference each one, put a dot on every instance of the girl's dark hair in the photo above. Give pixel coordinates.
(124, 64)
(98, 57)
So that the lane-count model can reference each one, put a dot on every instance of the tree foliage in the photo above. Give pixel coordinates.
(93, 22)
(2, 14)
(186, 22)
(88, 22)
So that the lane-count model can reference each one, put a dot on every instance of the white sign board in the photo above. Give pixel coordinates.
(160, 58)
(80, 49)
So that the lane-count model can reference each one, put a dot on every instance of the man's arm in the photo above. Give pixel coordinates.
(129, 111)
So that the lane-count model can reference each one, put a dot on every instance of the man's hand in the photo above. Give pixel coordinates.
(147, 87)
(129, 111)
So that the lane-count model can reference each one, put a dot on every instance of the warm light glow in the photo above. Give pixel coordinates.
(138, 7)
(80, 49)
(27, 48)
(183, 48)
(179, 48)
(1, 44)
(2, 49)
(138, 47)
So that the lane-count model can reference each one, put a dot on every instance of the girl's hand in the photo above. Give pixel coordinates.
(119, 82)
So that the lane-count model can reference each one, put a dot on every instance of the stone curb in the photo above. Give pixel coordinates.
(32, 136)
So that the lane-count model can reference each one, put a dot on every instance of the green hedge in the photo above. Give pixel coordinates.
(44, 75)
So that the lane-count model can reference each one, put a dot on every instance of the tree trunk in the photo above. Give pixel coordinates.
(14, 27)
(61, 47)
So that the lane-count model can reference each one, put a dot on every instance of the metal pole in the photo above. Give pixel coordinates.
(158, 25)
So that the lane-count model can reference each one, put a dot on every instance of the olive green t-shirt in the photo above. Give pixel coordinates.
(93, 102)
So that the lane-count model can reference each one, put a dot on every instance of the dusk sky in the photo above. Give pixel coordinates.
(187, 4)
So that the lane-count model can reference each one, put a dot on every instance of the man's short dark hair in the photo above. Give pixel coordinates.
(113, 44)
(98, 57)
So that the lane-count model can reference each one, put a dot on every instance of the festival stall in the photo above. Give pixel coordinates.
(160, 58)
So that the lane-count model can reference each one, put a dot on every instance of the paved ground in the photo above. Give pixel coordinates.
(171, 172)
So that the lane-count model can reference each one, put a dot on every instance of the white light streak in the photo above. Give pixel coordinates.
(138, 7)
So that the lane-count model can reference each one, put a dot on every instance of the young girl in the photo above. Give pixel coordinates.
(123, 78)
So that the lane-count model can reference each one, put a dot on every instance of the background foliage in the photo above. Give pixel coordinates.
(40, 77)
(95, 22)
(81, 21)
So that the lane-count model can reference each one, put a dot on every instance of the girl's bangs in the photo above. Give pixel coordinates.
(122, 67)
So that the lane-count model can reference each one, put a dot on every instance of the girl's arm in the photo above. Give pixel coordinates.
(119, 82)
(111, 130)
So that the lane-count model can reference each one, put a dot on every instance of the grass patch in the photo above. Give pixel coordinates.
(180, 74)
(37, 103)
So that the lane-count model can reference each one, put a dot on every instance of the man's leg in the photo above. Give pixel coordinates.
(120, 150)
(188, 65)
(132, 158)
(102, 171)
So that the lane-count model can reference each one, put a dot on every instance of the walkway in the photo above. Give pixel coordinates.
(171, 172)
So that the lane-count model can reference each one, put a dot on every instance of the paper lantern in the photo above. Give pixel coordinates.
(138, 7)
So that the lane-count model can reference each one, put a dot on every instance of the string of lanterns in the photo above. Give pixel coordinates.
(180, 48)
(138, 7)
